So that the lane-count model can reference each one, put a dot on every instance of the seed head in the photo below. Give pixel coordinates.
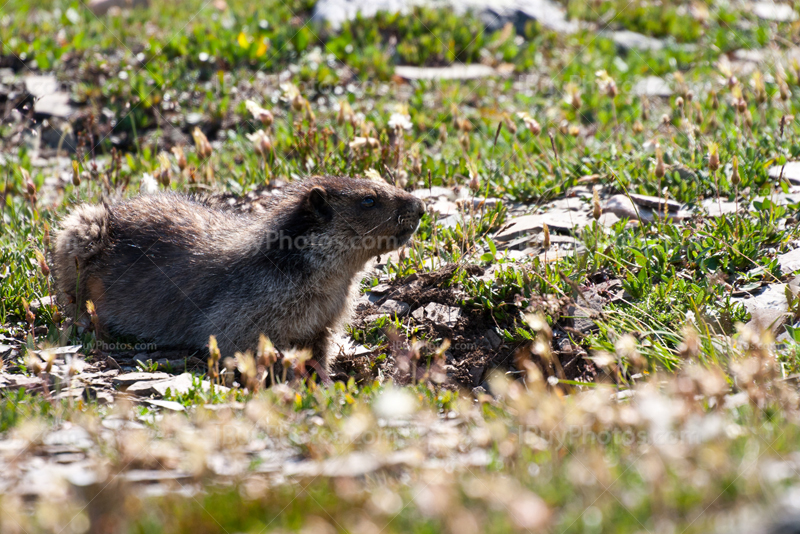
(164, 172)
(735, 179)
(76, 176)
(597, 210)
(201, 143)
(177, 151)
(29, 185)
(545, 236)
(659, 172)
(260, 114)
(42, 263)
(345, 113)
(261, 142)
(713, 156)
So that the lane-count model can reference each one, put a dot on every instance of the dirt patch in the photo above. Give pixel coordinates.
(476, 347)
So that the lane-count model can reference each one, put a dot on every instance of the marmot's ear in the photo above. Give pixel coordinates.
(317, 201)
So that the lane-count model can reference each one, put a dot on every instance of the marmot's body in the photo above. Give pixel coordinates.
(175, 269)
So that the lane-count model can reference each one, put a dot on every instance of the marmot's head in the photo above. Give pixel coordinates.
(357, 217)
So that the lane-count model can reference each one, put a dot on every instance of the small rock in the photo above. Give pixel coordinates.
(444, 207)
(128, 379)
(716, 208)
(440, 314)
(452, 72)
(394, 308)
(476, 375)
(790, 262)
(652, 86)
(167, 405)
(771, 297)
(656, 203)
(628, 40)
(560, 220)
(41, 85)
(764, 319)
(774, 11)
(15, 381)
(55, 105)
(791, 171)
(493, 339)
(435, 191)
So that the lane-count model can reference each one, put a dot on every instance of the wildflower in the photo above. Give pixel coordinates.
(597, 211)
(92, 311)
(546, 236)
(259, 113)
(74, 365)
(474, 182)
(400, 121)
(29, 185)
(261, 142)
(713, 156)
(606, 83)
(164, 172)
(42, 263)
(346, 114)
(638, 127)
(266, 353)
(213, 357)
(246, 365)
(573, 96)
(48, 357)
(34, 364)
(148, 185)
(735, 179)
(177, 151)
(361, 142)
(76, 177)
(659, 172)
(201, 143)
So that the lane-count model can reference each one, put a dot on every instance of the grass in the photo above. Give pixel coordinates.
(554, 453)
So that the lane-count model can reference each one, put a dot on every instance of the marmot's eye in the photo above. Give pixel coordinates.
(368, 202)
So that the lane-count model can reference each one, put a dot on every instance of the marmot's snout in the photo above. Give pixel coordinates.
(408, 218)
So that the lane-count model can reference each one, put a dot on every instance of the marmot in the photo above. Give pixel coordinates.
(175, 269)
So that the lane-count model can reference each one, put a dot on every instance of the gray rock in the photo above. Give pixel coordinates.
(128, 379)
(435, 191)
(41, 85)
(790, 261)
(493, 339)
(167, 405)
(636, 208)
(774, 11)
(791, 171)
(772, 297)
(439, 314)
(652, 86)
(55, 105)
(628, 40)
(763, 319)
(656, 203)
(716, 208)
(394, 308)
(14, 381)
(559, 220)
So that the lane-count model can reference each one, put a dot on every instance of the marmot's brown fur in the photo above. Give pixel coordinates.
(175, 269)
